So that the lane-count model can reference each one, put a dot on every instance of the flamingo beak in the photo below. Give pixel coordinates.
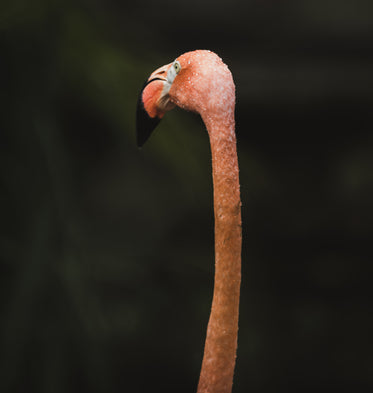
(152, 104)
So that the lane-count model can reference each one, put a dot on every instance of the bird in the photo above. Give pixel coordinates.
(199, 81)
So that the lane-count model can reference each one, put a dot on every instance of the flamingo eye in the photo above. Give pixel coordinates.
(173, 71)
(177, 66)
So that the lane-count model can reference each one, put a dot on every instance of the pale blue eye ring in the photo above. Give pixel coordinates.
(177, 66)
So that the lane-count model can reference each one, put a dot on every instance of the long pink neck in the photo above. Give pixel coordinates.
(221, 340)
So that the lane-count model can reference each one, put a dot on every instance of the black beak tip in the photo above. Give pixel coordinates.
(145, 124)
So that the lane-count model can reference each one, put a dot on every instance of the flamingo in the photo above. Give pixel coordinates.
(199, 81)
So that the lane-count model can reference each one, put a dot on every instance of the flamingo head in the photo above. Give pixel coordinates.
(197, 81)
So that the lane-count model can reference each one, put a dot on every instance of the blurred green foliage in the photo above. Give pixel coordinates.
(107, 251)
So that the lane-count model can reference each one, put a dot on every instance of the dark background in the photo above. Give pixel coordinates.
(107, 251)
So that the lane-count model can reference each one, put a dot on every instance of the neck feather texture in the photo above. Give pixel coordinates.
(221, 340)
